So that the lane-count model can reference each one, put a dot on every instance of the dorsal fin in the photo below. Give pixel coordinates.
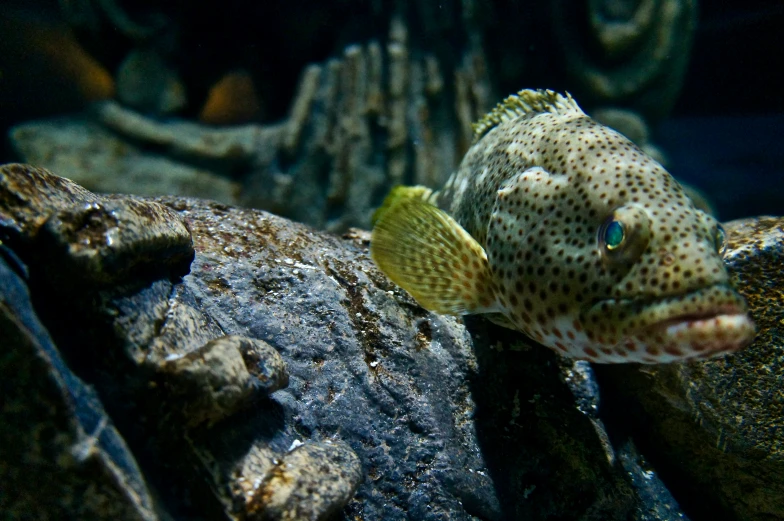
(527, 101)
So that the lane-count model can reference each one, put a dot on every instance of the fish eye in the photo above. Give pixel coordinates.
(613, 234)
(720, 239)
(624, 235)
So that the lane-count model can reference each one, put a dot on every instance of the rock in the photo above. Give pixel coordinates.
(714, 427)
(216, 380)
(102, 242)
(61, 456)
(93, 240)
(312, 482)
(90, 154)
(362, 367)
(657, 503)
(29, 196)
(390, 412)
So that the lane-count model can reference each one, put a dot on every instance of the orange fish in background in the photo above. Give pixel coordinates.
(44, 70)
(231, 100)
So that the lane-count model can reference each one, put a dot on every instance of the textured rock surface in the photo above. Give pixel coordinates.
(92, 240)
(91, 259)
(218, 377)
(361, 366)
(60, 454)
(421, 416)
(716, 428)
(311, 482)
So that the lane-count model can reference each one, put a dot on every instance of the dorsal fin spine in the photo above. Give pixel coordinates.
(527, 101)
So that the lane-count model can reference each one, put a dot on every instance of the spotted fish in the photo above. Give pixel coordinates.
(561, 228)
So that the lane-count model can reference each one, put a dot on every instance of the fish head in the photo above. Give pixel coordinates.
(668, 294)
(605, 258)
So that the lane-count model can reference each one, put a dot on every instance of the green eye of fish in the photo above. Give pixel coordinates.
(624, 235)
(613, 234)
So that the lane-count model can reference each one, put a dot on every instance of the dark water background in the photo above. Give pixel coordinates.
(726, 133)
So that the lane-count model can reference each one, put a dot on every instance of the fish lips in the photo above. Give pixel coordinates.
(703, 336)
(699, 324)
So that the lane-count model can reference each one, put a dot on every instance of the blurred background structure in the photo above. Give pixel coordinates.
(314, 110)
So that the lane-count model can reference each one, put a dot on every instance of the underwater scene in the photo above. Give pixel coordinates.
(392, 260)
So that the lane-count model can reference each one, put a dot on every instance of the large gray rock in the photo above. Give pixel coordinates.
(60, 455)
(286, 378)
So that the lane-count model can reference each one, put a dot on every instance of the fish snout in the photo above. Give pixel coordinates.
(699, 324)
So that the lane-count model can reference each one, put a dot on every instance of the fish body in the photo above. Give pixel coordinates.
(563, 229)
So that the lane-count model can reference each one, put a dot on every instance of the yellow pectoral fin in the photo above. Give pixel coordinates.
(401, 193)
(427, 253)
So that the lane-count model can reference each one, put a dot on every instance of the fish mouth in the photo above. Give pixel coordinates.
(700, 335)
(699, 324)
(695, 319)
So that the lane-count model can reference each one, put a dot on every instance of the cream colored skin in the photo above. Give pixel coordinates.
(537, 192)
